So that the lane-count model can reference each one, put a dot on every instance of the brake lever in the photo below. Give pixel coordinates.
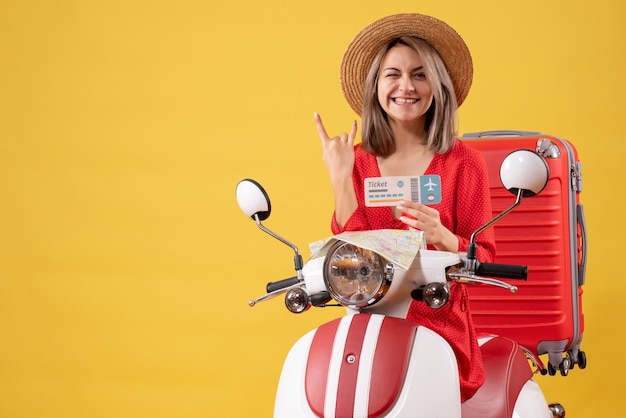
(272, 295)
(471, 278)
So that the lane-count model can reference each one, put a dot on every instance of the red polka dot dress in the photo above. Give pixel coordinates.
(464, 207)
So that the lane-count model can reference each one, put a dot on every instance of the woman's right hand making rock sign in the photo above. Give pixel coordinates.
(338, 155)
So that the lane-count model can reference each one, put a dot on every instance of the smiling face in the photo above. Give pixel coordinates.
(397, 95)
(403, 91)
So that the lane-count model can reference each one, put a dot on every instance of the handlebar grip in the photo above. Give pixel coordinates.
(281, 284)
(503, 271)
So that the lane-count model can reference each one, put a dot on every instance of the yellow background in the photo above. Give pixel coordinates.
(125, 263)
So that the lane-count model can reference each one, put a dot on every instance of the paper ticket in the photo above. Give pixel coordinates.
(388, 191)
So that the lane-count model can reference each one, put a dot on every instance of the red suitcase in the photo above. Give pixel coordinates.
(547, 233)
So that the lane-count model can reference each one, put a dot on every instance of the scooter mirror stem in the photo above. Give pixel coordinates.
(297, 259)
(471, 247)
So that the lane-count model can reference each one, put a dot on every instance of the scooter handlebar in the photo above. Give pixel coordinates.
(281, 284)
(503, 271)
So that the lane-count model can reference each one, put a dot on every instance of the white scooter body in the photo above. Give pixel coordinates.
(431, 378)
(430, 387)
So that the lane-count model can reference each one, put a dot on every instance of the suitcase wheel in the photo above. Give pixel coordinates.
(564, 367)
(569, 360)
(577, 358)
(581, 360)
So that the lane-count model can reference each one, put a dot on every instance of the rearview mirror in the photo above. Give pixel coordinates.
(253, 200)
(524, 170)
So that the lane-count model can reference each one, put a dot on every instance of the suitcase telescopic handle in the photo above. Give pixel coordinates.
(502, 271)
(499, 133)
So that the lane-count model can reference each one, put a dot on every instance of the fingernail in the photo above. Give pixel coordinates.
(315, 115)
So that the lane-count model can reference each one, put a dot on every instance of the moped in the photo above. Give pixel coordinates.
(372, 362)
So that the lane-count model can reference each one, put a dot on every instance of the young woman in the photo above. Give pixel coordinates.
(406, 74)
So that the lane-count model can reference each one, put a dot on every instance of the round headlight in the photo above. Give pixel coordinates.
(355, 276)
(435, 294)
(297, 300)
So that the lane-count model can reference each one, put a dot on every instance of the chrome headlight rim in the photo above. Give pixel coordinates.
(383, 281)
